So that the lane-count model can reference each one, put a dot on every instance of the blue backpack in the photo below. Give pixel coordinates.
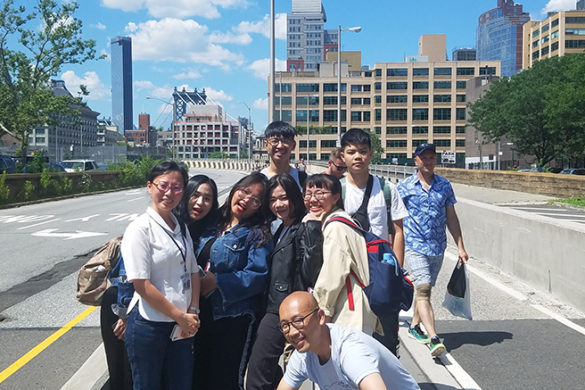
(389, 290)
(118, 278)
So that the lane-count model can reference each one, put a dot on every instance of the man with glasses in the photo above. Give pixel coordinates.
(279, 143)
(337, 166)
(333, 356)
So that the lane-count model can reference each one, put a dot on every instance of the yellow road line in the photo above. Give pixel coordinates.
(17, 365)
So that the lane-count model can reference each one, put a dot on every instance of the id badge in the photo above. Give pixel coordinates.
(186, 281)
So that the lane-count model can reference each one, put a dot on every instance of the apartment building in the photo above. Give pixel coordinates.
(559, 34)
(204, 131)
(404, 103)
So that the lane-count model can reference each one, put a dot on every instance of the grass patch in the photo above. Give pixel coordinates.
(578, 201)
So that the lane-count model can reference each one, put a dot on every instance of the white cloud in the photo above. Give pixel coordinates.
(163, 92)
(176, 8)
(229, 37)
(97, 90)
(180, 41)
(261, 68)
(215, 95)
(188, 74)
(260, 104)
(99, 26)
(559, 5)
(263, 26)
(131, 27)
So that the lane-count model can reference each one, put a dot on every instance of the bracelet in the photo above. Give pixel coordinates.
(195, 309)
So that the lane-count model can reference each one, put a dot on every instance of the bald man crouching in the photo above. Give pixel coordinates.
(333, 356)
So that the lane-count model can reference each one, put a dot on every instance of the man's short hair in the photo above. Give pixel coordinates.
(355, 137)
(280, 129)
(335, 154)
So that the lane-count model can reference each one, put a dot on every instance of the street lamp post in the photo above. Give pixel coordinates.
(172, 124)
(272, 65)
(339, 30)
(248, 136)
(308, 114)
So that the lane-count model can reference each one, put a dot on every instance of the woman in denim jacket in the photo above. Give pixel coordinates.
(235, 282)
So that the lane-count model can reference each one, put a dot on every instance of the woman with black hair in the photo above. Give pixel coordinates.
(294, 266)
(235, 281)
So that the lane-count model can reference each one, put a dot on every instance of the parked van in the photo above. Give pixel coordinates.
(79, 165)
(7, 164)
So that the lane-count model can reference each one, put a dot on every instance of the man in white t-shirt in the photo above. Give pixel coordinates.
(333, 356)
(357, 154)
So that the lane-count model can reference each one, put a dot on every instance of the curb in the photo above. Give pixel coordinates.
(92, 375)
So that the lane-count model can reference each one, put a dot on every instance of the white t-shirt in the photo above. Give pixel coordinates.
(376, 206)
(293, 172)
(150, 253)
(354, 356)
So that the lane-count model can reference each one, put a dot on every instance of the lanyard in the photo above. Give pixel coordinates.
(176, 244)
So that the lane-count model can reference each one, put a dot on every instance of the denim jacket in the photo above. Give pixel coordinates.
(241, 271)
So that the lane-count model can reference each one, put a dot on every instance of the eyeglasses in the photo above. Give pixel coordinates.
(164, 187)
(246, 195)
(339, 167)
(274, 141)
(319, 195)
(298, 324)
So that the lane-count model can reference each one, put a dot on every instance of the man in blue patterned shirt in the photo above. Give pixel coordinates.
(430, 201)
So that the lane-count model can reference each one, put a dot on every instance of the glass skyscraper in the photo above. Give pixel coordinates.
(499, 36)
(121, 49)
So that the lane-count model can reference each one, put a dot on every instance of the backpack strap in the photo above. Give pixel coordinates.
(388, 198)
(343, 181)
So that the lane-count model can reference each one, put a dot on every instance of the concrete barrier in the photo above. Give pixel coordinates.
(547, 253)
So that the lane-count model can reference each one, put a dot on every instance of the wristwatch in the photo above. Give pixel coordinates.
(195, 309)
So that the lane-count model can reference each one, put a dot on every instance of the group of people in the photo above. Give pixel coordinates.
(222, 293)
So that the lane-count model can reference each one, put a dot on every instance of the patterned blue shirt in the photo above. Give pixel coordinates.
(424, 228)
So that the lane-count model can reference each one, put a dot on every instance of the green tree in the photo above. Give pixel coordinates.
(376, 148)
(219, 155)
(540, 109)
(36, 41)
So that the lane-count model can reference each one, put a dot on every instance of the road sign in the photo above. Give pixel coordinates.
(447, 157)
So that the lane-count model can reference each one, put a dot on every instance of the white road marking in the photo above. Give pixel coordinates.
(560, 318)
(83, 219)
(122, 217)
(460, 375)
(38, 224)
(24, 218)
(135, 199)
(66, 235)
(564, 215)
(539, 208)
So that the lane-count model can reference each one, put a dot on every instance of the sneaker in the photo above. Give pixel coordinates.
(436, 346)
(417, 334)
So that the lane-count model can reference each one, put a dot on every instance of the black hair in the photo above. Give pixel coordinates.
(328, 182)
(280, 129)
(356, 137)
(293, 193)
(182, 210)
(260, 219)
(167, 166)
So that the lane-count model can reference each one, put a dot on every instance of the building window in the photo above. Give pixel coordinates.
(356, 88)
(417, 142)
(396, 114)
(420, 72)
(286, 100)
(575, 20)
(420, 129)
(377, 86)
(285, 87)
(487, 70)
(420, 98)
(325, 143)
(460, 143)
(332, 100)
(378, 130)
(554, 46)
(465, 71)
(377, 114)
(308, 87)
(366, 101)
(397, 85)
(396, 143)
(420, 85)
(460, 129)
(554, 23)
(303, 144)
(396, 99)
(461, 84)
(442, 71)
(460, 114)
(420, 114)
(442, 129)
(460, 98)
(575, 31)
(378, 72)
(396, 130)
(442, 98)
(442, 142)
(572, 44)
(536, 54)
(544, 28)
(400, 72)
(367, 87)
(378, 99)
(331, 115)
(442, 114)
(356, 101)
(442, 84)
(356, 116)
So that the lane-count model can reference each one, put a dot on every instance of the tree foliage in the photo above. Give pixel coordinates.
(541, 110)
(35, 43)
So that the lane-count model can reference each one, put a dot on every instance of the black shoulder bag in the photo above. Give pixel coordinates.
(361, 215)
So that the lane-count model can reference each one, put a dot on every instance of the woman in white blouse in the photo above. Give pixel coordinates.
(160, 262)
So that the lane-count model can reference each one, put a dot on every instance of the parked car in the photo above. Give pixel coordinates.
(7, 164)
(79, 165)
(50, 167)
(573, 171)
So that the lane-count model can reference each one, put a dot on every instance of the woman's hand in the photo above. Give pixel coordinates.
(120, 329)
(208, 283)
(189, 323)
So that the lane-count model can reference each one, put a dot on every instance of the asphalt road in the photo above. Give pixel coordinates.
(519, 337)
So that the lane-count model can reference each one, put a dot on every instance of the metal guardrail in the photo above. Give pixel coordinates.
(395, 173)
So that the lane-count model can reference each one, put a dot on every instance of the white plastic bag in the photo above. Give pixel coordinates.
(460, 307)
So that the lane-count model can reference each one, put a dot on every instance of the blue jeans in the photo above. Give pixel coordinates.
(155, 360)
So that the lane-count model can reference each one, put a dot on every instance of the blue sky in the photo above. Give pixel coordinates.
(223, 45)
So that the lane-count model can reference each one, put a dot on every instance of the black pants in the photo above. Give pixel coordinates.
(390, 338)
(116, 356)
(264, 373)
(221, 353)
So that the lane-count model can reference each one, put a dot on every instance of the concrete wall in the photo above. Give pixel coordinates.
(547, 253)
(553, 184)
